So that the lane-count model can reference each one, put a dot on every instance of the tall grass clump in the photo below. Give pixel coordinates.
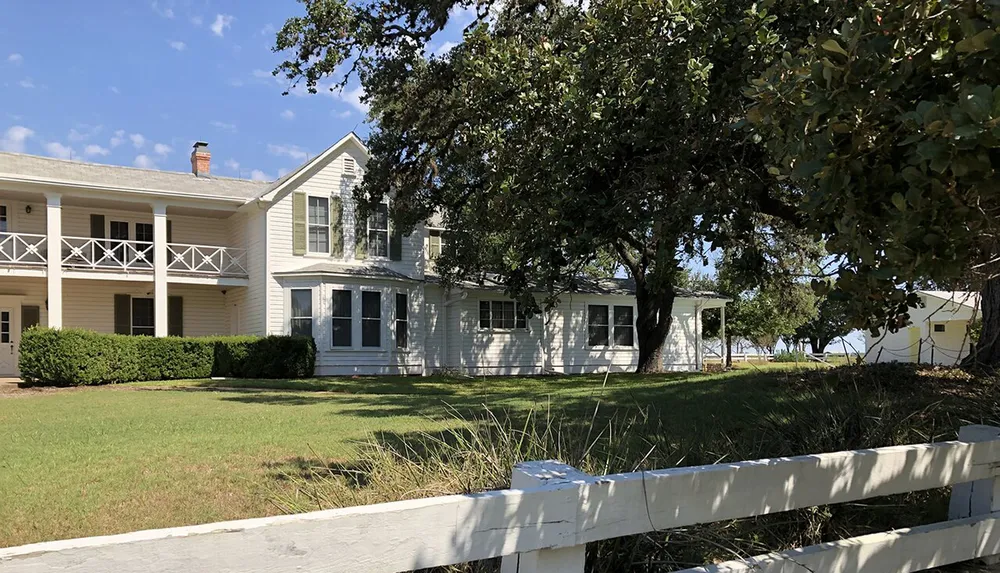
(839, 409)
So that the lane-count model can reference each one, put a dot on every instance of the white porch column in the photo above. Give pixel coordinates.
(160, 269)
(53, 231)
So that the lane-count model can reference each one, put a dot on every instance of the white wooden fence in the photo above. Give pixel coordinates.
(544, 524)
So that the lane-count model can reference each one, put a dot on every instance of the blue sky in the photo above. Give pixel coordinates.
(136, 82)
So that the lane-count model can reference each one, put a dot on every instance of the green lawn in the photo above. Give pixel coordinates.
(91, 461)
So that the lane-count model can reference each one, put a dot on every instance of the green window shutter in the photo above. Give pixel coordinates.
(97, 226)
(298, 223)
(360, 238)
(31, 315)
(175, 316)
(336, 227)
(396, 246)
(123, 314)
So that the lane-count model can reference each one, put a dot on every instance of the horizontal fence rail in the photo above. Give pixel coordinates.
(204, 259)
(23, 249)
(559, 509)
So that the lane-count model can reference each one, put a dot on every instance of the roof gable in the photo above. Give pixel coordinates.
(301, 173)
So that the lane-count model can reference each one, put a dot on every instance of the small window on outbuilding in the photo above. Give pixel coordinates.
(939, 328)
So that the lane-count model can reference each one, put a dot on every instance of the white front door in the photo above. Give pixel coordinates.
(10, 336)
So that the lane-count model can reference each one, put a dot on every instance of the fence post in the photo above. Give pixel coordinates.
(564, 560)
(978, 497)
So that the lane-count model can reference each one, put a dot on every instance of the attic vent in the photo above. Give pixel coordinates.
(350, 169)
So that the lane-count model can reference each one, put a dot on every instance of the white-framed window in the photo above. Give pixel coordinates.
(501, 315)
(435, 243)
(378, 232)
(143, 317)
(624, 334)
(371, 319)
(597, 325)
(610, 325)
(402, 320)
(319, 224)
(301, 321)
(341, 318)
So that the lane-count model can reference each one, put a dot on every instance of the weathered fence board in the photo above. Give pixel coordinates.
(566, 513)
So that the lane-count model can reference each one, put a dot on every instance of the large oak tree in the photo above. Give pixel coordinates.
(554, 132)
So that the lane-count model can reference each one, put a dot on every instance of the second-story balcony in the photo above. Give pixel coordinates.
(26, 250)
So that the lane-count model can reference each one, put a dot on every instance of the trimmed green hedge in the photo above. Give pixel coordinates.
(74, 357)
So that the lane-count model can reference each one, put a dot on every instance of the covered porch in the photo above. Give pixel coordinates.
(115, 306)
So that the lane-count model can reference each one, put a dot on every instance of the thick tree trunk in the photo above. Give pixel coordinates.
(815, 345)
(654, 312)
(987, 349)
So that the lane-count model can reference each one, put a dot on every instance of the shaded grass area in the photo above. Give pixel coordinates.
(113, 459)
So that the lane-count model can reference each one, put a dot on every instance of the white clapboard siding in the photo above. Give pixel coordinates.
(900, 551)
(408, 535)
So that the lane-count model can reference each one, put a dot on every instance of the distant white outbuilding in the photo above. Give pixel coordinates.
(938, 333)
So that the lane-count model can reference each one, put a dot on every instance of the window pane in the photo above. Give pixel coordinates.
(319, 211)
(378, 243)
(522, 320)
(624, 335)
(341, 303)
(597, 315)
(302, 327)
(402, 336)
(143, 232)
(623, 316)
(319, 239)
(342, 332)
(371, 332)
(508, 314)
(597, 336)
(302, 303)
(484, 314)
(142, 312)
(402, 309)
(435, 244)
(379, 220)
(371, 304)
(497, 314)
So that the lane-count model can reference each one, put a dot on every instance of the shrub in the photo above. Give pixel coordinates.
(74, 357)
(790, 356)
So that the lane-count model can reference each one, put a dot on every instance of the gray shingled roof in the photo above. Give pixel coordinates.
(365, 271)
(127, 178)
(584, 285)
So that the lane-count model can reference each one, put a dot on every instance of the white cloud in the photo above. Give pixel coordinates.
(462, 14)
(222, 22)
(288, 114)
(137, 140)
(114, 90)
(267, 30)
(144, 162)
(75, 135)
(283, 171)
(118, 138)
(15, 58)
(15, 137)
(293, 151)
(56, 149)
(196, 20)
(353, 98)
(178, 45)
(26, 83)
(343, 114)
(163, 11)
(232, 165)
(84, 133)
(258, 175)
(162, 149)
(223, 126)
(94, 149)
(261, 74)
(444, 48)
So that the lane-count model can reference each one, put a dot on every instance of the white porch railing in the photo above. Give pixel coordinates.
(202, 259)
(22, 249)
(545, 524)
(107, 254)
(133, 256)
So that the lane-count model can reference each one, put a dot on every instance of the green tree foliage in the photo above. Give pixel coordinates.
(554, 132)
(831, 321)
(889, 123)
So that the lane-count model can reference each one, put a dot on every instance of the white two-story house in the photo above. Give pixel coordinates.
(144, 252)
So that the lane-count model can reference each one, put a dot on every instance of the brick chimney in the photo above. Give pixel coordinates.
(201, 159)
